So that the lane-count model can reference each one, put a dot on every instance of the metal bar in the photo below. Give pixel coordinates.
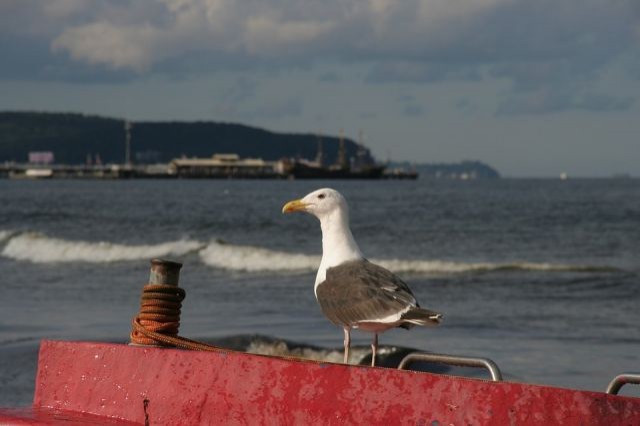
(164, 272)
(622, 379)
(461, 361)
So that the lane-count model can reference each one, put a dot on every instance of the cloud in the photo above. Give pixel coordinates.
(545, 101)
(329, 77)
(410, 39)
(413, 110)
(465, 105)
(421, 72)
(275, 110)
(368, 115)
(537, 46)
(406, 98)
(118, 48)
(265, 34)
(604, 102)
(64, 9)
(243, 89)
(410, 106)
(555, 86)
(121, 40)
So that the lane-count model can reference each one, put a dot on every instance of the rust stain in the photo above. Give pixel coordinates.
(145, 405)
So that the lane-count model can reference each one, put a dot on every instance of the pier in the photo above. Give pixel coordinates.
(218, 166)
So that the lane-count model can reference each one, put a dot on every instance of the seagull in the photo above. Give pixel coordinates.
(353, 292)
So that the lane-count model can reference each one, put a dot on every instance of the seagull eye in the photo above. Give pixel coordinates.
(321, 196)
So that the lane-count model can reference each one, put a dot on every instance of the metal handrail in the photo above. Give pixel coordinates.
(622, 379)
(457, 360)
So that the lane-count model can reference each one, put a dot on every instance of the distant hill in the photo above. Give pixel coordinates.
(462, 170)
(72, 137)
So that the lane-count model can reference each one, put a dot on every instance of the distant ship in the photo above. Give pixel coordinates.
(362, 167)
(308, 170)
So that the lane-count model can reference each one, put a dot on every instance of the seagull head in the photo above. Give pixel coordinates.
(330, 207)
(320, 203)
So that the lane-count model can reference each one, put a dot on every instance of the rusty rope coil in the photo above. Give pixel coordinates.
(158, 322)
(159, 312)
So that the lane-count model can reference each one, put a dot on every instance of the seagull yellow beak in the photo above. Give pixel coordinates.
(294, 206)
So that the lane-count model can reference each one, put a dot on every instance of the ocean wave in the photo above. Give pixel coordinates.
(221, 255)
(446, 267)
(283, 348)
(37, 248)
(5, 235)
(254, 259)
(387, 355)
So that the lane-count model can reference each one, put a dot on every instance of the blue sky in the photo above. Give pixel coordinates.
(534, 88)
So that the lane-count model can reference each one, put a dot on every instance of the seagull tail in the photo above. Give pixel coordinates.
(422, 317)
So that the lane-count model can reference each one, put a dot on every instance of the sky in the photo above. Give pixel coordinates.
(531, 87)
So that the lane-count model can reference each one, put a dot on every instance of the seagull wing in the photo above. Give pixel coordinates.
(360, 291)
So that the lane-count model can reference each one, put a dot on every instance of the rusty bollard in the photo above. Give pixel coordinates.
(160, 305)
(164, 272)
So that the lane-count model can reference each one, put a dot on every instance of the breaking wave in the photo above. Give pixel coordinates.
(4, 235)
(444, 267)
(39, 248)
(253, 259)
(387, 355)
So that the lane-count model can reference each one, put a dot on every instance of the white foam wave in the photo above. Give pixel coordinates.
(37, 248)
(445, 267)
(254, 259)
(4, 235)
(281, 348)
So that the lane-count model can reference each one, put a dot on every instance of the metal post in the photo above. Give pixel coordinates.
(164, 272)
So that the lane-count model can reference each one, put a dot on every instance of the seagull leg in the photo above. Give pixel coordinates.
(374, 349)
(347, 343)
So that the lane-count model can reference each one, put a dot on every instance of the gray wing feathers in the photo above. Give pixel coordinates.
(360, 291)
(423, 317)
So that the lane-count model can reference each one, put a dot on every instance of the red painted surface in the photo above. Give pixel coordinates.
(52, 417)
(187, 388)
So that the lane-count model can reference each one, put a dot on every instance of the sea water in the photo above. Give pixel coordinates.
(541, 276)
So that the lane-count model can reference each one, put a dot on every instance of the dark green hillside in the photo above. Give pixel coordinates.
(72, 137)
(461, 170)
(464, 169)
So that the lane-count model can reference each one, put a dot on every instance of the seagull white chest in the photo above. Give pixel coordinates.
(338, 247)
